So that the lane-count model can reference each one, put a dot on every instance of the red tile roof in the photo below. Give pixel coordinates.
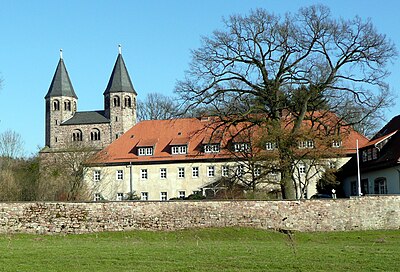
(194, 132)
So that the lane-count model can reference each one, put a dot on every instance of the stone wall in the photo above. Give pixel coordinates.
(366, 213)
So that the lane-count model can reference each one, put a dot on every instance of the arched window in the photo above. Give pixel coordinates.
(67, 105)
(380, 186)
(56, 105)
(128, 102)
(95, 135)
(116, 101)
(77, 135)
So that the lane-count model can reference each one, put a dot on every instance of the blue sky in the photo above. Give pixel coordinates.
(156, 39)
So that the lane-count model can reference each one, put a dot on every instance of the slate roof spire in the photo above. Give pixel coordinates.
(119, 80)
(61, 84)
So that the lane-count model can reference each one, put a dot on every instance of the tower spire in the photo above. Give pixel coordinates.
(61, 56)
(119, 49)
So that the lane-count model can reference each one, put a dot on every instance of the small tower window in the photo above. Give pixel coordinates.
(128, 102)
(116, 101)
(67, 105)
(56, 105)
(95, 135)
(77, 135)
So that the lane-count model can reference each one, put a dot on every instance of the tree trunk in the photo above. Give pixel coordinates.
(287, 186)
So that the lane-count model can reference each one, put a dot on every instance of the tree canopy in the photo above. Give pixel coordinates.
(290, 65)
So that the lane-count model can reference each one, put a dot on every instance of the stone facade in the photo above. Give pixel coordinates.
(365, 213)
(67, 127)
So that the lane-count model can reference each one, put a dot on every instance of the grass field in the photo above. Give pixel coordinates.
(228, 249)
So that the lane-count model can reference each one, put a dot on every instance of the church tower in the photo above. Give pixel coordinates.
(61, 103)
(120, 99)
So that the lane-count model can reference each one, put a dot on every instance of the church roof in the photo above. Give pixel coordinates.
(86, 118)
(61, 84)
(119, 80)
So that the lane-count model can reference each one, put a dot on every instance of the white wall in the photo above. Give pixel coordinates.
(392, 176)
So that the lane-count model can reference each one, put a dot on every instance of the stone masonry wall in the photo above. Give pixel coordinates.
(366, 213)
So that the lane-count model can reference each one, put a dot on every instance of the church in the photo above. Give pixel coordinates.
(66, 126)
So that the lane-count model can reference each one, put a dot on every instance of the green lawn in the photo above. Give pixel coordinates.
(230, 249)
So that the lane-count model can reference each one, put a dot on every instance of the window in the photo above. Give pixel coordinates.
(241, 147)
(257, 170)
(120, 174)
(116, 101)
(195, 172)
(163, 173)
(97, 197)
(225, 171)
(182, 194)
(116, 136)
(380, 186)
(56, 105)
(179, 149)
(306, 144)
(336, 144)
(143, 173)
(369, 154)
(353, 188)
(145, 151)
(364, 187)
(144, 196)
(120, 196)
(67, 105)
(96, 175)
(364, 155)
(128, 102)
(240, 170)
(270, 146)
(77, 135)
(210, 171)
(302, 169)
(181, 172)
(164, 196)
(374, 153)
(95, 135)
(211, 148)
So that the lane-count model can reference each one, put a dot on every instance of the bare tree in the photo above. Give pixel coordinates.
(156, 107)
(62, 174)
(11, 144)
(289, 69)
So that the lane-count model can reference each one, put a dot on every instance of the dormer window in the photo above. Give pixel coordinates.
(145, 151)
(179, 149)
(336, 143)
(212, 148)
(306, 144)
(270, 145)
(370, 154)
(241, 147)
